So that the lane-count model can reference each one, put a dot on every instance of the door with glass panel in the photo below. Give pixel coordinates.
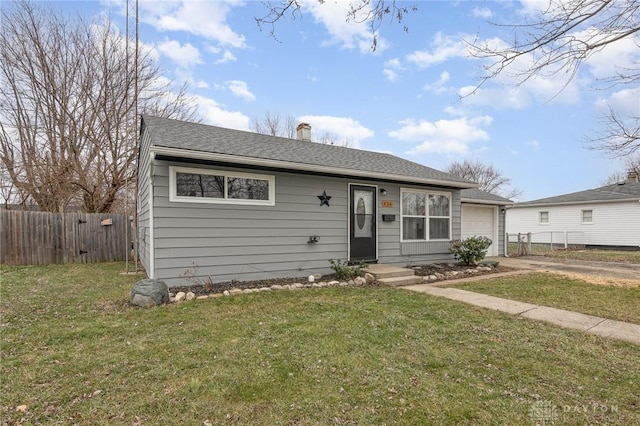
(363, 230)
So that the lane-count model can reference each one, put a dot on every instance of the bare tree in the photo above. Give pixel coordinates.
(558, 40)
(330, 138)
(373, 12)
(274, 124)
(67, 101)
(489, 178)
(632, 166)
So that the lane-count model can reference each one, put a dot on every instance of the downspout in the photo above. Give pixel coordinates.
(152, 253)
(505, 246)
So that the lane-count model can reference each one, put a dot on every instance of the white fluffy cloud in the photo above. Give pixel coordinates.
(439, 86)
(482, 12)
(240, 89)
(213, 114)
(185, 55)
(345, 128)
(442, 136)
(443, 49)
(391, 68)
(354, 34)
(202, 18)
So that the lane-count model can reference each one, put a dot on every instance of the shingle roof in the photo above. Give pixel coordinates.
(206, 139)
(478, 195)
(628, 190)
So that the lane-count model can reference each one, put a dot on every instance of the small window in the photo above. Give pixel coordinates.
(544, 217)
(587, 216)
(222, 187)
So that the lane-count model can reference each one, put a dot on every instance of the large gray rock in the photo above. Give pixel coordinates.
(149, 293)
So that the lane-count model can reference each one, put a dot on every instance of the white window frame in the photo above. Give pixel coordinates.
(540, 217)
(427, 193)
(584, 222)
(174, 198)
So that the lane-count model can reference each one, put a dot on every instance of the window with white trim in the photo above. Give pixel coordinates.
(587, 216)
(195, 185)
(425, 215)
(544, 217)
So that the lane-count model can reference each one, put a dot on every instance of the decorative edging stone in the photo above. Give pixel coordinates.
(314, 283)
(447, 275)
(182, 296)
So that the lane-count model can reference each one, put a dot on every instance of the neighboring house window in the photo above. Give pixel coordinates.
(587, 216)
(223, 187)
(425, 215)
(544, 217)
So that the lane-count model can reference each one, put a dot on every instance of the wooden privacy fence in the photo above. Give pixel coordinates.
(40, 238)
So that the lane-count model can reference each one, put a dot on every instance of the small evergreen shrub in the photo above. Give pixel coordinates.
(470, 251)
(346, 272)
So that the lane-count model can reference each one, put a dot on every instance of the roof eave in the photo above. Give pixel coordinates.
(574, 203)
(489, 202)
(262, 162)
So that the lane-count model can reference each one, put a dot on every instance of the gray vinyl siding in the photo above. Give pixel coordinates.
(195, 242)
(143, 230)
(247, 242)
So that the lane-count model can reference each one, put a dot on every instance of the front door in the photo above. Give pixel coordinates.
(362, 223)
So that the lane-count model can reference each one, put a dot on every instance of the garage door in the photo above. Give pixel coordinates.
(480, 221)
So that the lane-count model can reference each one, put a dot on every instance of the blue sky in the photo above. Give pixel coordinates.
(403, 98)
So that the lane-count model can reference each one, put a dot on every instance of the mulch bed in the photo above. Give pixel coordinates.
(206, 288)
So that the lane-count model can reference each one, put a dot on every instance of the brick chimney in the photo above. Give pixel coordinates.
(304, 132)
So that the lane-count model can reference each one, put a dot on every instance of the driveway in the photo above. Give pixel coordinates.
(605, 271)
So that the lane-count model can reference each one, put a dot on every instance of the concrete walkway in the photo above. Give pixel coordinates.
(568, 319)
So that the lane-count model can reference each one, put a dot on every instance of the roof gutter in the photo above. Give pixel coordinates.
(573, 203)
(262, 162)
(487, 202)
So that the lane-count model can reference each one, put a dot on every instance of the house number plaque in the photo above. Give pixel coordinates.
(387, 203)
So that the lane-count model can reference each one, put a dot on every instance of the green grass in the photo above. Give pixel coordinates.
(618, 303)
(597, 255)
(588, 255)
(74, 352)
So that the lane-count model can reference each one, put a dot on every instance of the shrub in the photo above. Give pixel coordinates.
(346, 272)
(471, 250)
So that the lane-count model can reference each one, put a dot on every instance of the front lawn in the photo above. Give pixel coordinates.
(596, 255)
(557, 291)
(74, 352)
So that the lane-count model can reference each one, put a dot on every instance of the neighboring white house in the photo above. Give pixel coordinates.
(605, 217)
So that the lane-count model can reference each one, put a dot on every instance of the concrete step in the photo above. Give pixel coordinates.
(381, 271)
(401, 281)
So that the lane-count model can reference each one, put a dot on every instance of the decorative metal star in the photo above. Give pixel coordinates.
(324, 199)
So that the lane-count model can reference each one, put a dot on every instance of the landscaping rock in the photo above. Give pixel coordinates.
(180, 296)
(489, 263)
(190, 296)
(360, 281)
(369, 277)
(149, 293)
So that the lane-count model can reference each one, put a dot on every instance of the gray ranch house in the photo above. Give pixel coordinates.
(232, 205)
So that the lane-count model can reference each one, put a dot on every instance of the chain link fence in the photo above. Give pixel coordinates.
(540, 243)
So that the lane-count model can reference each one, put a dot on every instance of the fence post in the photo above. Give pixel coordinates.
(551, 239)
(566, 240)
(529, 242)
(506, 244)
